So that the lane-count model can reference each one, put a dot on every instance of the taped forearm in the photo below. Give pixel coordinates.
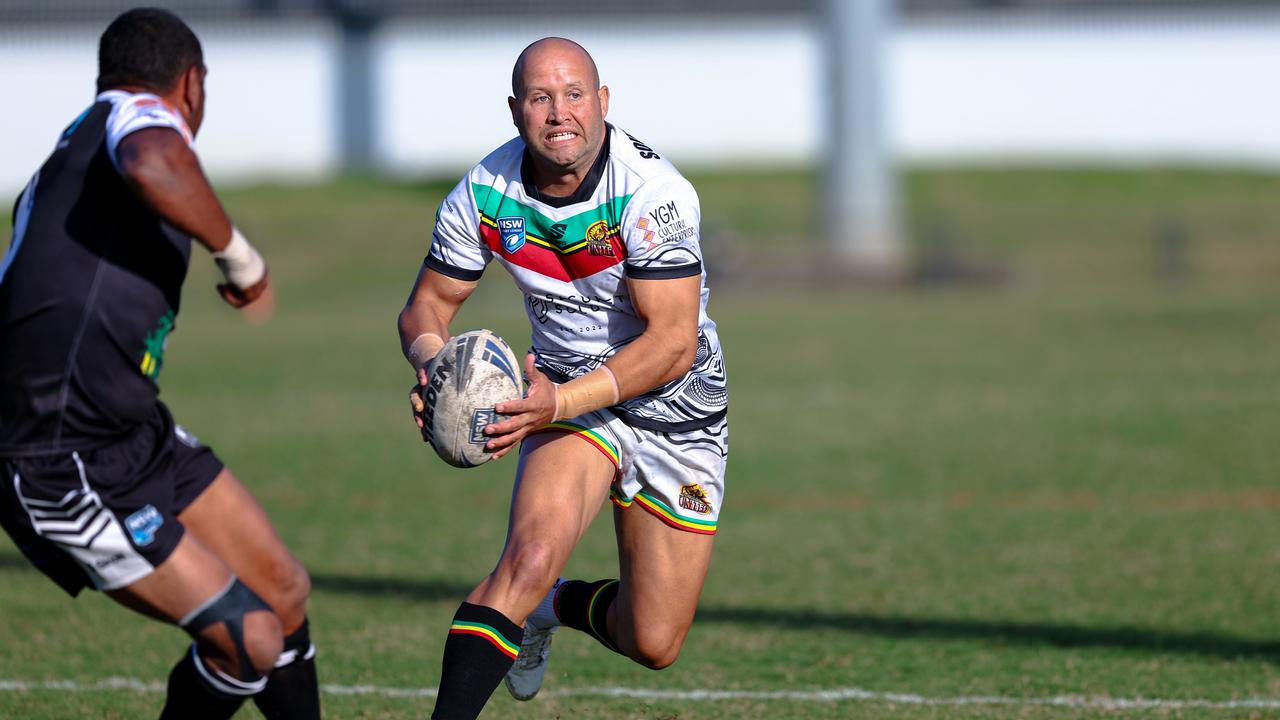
(423, 348)
(240, 262)
(597, 389)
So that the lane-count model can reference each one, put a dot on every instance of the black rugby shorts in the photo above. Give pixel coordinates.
(106, 517)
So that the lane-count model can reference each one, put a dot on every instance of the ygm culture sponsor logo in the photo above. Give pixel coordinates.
(512, 230)
(648, 237)
(664, 221)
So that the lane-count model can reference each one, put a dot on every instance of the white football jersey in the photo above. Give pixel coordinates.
(633, 216)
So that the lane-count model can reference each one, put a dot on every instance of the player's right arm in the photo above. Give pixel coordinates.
(424, 324)
(161, 168)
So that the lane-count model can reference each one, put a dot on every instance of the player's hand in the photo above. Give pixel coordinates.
(256, 301)
(418, 405)
(535, 411)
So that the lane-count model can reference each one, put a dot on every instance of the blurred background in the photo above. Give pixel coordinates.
(306, 89)
(997, 286)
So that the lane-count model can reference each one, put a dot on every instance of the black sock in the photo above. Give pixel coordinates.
(585, 606)
(480, 649)
(292, 691)
(191, 698)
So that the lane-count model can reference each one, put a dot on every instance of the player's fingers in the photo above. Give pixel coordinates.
(231, 295)
(505, 442)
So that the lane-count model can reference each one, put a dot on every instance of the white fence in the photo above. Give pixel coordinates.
(1195, 89)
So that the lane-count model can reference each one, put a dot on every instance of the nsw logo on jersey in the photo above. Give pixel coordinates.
(512, 229)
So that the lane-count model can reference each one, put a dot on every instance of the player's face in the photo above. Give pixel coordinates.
(561, 112)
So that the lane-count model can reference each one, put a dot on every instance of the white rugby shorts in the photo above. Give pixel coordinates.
(677, 477)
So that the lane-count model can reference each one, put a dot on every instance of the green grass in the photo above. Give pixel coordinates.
(1059, 485)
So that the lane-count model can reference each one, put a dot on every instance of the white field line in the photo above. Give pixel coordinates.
(833, 695)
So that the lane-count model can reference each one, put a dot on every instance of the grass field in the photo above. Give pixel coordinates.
(1063, 484)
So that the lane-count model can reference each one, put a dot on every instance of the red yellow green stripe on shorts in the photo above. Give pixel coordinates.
(597, 440)
(505, 646)
(664, 513)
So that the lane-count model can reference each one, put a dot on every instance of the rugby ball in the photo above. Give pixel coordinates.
(472, 372)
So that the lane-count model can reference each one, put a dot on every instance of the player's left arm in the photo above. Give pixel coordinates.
(164, 172)
(662, 353)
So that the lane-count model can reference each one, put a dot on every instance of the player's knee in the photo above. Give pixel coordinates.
(658, 647)
(293, 587)
(243, 634)
(263, 640)
(533, 568)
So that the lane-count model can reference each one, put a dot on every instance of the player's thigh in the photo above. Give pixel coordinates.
(229, 521)
(183, 585)
(662, 571)
(561, 484)
(183, 582)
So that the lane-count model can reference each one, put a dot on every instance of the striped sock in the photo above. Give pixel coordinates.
(480, 649)
(585, 606)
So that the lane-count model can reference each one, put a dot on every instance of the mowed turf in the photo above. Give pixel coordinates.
(1063, 483)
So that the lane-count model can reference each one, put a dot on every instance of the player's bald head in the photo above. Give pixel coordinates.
(551, 49)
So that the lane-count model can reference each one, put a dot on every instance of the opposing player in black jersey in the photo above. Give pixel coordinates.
(100, 487)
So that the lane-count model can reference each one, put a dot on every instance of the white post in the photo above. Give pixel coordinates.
(859, 184)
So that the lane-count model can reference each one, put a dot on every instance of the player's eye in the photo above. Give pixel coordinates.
(575, 95)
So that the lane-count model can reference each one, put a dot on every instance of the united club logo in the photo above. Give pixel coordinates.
(598, 239)
(693, 497)
(512, 229)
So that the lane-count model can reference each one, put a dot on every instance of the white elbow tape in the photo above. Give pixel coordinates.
(424, 348)
(240, 263)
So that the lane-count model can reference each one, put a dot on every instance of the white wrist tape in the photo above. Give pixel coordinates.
(423, 348)
(240, 263)
(597, 389)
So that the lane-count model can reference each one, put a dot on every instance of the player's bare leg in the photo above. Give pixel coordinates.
(662, 571)
(238, 637)
(228, 520)
(561, 484)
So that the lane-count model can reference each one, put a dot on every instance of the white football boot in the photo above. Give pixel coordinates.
(524, 679)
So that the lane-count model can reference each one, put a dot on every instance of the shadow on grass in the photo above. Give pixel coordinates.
(402, 588)
(1146, 640)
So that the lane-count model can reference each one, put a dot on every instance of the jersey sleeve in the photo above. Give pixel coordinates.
(136, 113)
(660, 230)
(457, 250)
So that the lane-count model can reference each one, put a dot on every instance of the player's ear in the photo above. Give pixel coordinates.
(191, 93)
(604, 100)
(515, 115)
